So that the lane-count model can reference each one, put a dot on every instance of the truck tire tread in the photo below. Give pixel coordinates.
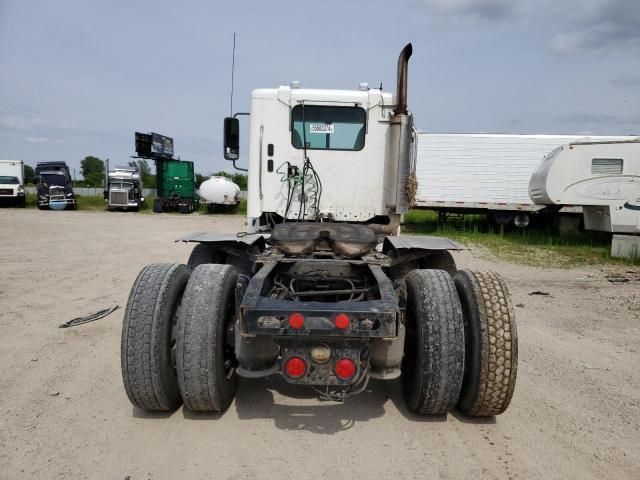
(200, 339)
(438, 328)
(147, 371)
(491, 339)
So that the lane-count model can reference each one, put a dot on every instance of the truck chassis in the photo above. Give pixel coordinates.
(326, 306)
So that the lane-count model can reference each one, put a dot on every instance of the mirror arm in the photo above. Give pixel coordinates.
(236, 115)
(238, 168)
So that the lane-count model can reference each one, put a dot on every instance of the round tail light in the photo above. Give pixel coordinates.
(342, 321)
(296, 321)
(295, 367)
(345, 368)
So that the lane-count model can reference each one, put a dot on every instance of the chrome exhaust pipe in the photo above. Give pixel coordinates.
(403, 73)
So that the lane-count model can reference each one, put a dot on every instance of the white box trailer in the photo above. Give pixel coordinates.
(475, 173)
(12, 182)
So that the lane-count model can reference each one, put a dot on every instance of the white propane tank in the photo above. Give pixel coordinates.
(219, 191)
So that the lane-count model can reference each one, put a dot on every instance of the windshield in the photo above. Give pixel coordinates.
(9, 180)
(122, 185)
(52, 179)
(328, 128)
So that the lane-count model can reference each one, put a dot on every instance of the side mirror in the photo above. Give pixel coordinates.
(231, 138)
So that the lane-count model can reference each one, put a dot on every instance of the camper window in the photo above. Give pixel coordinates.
(606, 166)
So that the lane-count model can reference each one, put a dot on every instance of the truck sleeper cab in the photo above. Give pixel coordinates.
(54, 186)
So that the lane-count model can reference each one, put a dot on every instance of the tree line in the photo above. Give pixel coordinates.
(92, 171)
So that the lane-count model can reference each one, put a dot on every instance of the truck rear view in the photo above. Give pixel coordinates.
(321, 290)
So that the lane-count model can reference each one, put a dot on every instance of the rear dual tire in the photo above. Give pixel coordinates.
(176, 344)
(148, 340)
(461, 343)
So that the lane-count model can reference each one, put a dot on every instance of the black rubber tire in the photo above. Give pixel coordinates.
(204, 360)
(491, 344)
(148, 370)
(158, 205)
(203, 253)
(433, 360)
(440, 261)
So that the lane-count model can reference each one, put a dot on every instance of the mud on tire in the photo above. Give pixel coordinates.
(491, 343)
(204, 358)
(145, 351)
(433, 363)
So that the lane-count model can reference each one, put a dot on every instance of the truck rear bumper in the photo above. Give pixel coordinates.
(260, 315)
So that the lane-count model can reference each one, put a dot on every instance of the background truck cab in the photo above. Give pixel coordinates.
(12, 182)
(54, 186)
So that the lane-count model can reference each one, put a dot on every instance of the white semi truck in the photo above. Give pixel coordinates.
(320, 289)
(12, 182)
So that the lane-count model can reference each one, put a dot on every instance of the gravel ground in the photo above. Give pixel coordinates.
(64, 413)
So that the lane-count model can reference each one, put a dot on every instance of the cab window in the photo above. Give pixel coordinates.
(328, 127)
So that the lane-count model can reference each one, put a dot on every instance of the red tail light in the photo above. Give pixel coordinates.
(342, 321)
(295, 367)
(345, 368)
(296, 320)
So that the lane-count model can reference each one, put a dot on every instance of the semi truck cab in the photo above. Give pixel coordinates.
(54, 186)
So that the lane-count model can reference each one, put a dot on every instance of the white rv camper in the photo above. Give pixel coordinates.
(601, 176)
(484, 172)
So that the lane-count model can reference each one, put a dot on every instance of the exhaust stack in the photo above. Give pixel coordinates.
(403, 72)
(401, 176)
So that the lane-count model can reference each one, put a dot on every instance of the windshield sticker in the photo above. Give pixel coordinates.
(321, 128)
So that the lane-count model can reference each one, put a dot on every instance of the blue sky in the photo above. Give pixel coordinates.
(78, 77)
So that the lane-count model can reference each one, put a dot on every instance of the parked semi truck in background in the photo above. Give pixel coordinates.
(123, 189)
(321, 290)
(175, 179)
(12, 182)
(54, 186)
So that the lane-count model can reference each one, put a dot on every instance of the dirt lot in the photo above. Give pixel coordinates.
(64, 413)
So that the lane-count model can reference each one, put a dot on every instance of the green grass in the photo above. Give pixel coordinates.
(538, 246)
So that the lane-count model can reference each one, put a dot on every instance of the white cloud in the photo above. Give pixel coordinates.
(18, 122)
(37, 139)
